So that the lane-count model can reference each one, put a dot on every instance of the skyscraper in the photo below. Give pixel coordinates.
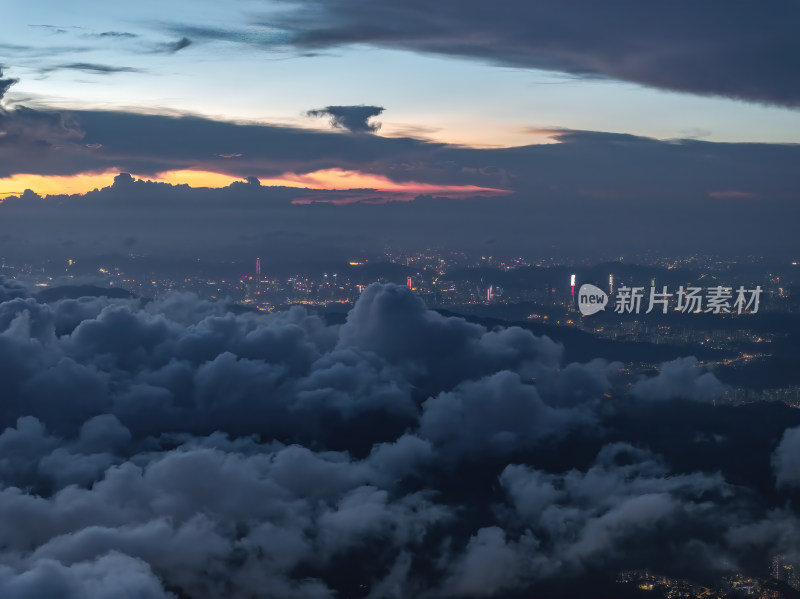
(785, 571)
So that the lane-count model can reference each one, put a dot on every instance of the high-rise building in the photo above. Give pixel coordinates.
(785, 571)
(776, 567)
(258, 266)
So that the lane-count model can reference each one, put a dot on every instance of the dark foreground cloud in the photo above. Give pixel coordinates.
(677, 45)
(171, 449)
(593, 165)
(683, 195)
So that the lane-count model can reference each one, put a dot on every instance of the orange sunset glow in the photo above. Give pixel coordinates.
(333, 179)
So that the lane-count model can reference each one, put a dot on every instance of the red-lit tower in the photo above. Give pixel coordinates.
(258, 266)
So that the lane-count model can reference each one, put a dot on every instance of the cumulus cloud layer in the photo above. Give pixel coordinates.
(173, 449)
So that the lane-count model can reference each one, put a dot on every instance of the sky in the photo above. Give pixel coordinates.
(242, 65)
(459, 73)
(566, 115)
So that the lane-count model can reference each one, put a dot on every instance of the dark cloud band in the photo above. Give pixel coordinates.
(750, 53)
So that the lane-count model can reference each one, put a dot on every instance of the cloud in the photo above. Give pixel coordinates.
(5, 84)
(680, 46)
(437, 350)
(91, 68)
(174, 449)
(173, 47)
(116, 34)
(489, 565)
(681, 378)
(112, 576)
(582, 164)
(50, 28)
(354, 119)
(496, 415)
(582, 518)
(784, 460)
(10, 289)
(577, 185)
(549, 207)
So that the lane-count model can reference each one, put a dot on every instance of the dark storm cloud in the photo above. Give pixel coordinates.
(354, 119)
(736, 49)
(173, 449)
